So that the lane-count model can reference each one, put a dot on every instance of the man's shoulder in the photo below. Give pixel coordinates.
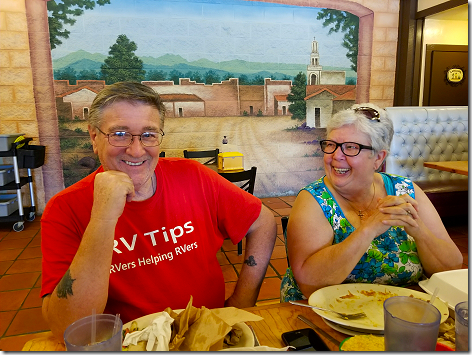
(169, 165)
(77, 191)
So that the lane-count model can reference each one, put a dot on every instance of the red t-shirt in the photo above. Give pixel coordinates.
(164, 248)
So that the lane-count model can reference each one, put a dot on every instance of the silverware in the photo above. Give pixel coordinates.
(256, 341)
(342, 315)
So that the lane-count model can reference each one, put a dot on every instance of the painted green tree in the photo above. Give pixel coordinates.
(347, 23)
(155, 75)
(122, 64)
(63, 12)
(211, 77)
(67, 73)
(296, 97)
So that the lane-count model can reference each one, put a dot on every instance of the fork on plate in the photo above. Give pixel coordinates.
(348, 316)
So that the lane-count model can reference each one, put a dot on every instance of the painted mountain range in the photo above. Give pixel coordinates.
(83, 60)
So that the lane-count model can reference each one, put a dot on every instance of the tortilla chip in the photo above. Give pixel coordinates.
(182, 322)
(206, 331)
(140, 346)
(202, 329)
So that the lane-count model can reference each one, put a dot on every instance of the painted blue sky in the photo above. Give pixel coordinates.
(209, 29)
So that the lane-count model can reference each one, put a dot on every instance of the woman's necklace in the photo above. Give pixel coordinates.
(361, 213)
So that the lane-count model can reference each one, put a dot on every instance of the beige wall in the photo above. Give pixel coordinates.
(17, 110)
(426, 4)
(17, 104)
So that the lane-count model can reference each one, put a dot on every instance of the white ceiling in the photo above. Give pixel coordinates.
(459, 13)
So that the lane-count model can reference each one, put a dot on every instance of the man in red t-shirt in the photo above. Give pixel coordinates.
(141, 233)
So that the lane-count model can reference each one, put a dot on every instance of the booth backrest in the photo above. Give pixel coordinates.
(427, 134)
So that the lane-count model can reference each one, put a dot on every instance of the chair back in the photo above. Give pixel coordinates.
(193, 154)
(284, 230)
(248, 177)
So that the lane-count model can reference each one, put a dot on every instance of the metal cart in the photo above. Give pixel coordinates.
(29, 157)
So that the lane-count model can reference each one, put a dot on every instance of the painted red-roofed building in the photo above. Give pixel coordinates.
(281, 105)
(75, 104)
(180, 105)
(322, 101)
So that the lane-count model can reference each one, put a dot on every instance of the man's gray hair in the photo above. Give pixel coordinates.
(124, 91)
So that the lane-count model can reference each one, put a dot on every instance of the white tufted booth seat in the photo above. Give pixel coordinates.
(432, 134)
(427, 134)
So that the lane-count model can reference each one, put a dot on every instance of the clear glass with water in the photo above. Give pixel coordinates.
(462, 326)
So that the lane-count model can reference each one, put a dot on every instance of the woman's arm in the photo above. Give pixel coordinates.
(436, 249)
(315, 262)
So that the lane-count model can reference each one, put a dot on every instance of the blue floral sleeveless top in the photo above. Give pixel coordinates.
(391, 259)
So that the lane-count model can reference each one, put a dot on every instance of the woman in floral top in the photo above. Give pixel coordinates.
(357, 225)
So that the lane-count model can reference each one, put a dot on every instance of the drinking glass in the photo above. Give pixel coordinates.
(78, 335)
(462, 326)
(411, 324)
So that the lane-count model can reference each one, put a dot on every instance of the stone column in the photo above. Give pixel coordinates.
(43, 87)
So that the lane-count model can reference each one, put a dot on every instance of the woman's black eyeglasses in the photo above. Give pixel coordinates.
(368, 112)
(350, 149)
(124, 139)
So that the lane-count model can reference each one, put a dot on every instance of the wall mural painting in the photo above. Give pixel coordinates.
(266, 76)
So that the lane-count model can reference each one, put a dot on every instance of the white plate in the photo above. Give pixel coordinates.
(331, 297)
(246, 340)
(453, 286)
(345, 330)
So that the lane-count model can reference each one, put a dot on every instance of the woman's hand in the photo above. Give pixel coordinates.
(400, 211)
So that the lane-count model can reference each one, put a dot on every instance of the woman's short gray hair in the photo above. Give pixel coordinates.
(124, 91)
(380, 132)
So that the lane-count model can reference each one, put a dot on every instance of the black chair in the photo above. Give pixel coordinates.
(248, 180)
(193, 154)
(284, 221)
(162, 154)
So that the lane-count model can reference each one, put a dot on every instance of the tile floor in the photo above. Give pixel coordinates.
(20, 273)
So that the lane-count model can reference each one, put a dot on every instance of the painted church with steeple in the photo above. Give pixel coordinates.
(326, 91)
(315, 73)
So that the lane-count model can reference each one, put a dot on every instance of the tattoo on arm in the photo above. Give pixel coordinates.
(64, 288)
(250, 261)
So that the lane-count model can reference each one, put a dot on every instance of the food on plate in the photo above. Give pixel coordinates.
(193, 329)
(447, 333)
(363, 342)
(233, 337)
(367, 298)
(348, 296)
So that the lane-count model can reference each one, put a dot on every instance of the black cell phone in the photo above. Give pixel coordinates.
(304, 340)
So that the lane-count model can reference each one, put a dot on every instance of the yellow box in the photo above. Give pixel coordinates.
(230, 161)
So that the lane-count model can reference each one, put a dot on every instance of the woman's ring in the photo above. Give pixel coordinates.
(408, 212)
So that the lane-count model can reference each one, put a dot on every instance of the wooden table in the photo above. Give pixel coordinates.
(278, 318)
(214, 167)
(282, 317)
(459, 167)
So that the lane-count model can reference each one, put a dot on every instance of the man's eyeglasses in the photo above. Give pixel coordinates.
(124, 139)
(350, 149)
(368, 112)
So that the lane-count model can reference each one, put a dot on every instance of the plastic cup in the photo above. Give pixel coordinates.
(78, 335)
(462, 326)
(410, 324)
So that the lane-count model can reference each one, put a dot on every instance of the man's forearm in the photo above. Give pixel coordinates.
(84, 285)
(259, 246)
